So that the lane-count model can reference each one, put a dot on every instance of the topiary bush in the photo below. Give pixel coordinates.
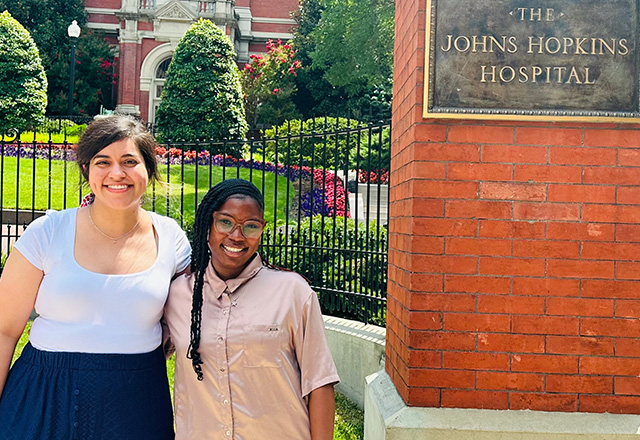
(23, 84)
(202, 98)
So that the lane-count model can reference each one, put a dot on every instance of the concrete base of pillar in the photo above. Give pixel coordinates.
(387, 417)
(128, 109)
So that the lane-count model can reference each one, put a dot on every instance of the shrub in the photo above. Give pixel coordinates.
(63, 126)
(94, 79)
(333, 253)
(23, 84)
(328, 143)
(267, 82)
(323, 142)
(374, 152)
(202, 98)
(55, 125)
(77, 130)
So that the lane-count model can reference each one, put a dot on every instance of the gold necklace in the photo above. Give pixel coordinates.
(113, 239)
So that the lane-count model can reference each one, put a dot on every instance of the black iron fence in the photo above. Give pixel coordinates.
(325, 188)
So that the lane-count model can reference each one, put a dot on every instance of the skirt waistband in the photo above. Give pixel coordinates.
(91, 361)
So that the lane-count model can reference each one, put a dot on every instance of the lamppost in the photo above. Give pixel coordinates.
(74, 32)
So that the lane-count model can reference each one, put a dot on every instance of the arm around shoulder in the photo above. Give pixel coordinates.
(19, 286)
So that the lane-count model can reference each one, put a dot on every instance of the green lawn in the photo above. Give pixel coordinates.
(50, 190)
(349, 424)
(45, 138)
(54, 138)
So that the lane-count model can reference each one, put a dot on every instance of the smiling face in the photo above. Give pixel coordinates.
(230, 253)
(118, 176)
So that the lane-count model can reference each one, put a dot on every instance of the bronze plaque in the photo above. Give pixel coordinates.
(519, 59)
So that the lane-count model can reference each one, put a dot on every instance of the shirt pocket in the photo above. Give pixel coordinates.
(262, 345)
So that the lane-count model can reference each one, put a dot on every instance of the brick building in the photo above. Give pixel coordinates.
(147, 32)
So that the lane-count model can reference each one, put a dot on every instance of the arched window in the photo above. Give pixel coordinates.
(161, 71)
(159, 79)
(161, 76)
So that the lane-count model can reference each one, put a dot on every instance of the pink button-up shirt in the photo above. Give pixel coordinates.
(264, 350)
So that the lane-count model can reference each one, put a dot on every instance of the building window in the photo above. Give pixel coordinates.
(156, 88)
(161, 71)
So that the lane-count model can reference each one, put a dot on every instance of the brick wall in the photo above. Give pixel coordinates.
(514, 261)
(270, 8)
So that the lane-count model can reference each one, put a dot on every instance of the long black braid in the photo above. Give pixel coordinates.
(200, 254)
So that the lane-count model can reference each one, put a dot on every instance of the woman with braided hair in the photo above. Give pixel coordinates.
(252, 359)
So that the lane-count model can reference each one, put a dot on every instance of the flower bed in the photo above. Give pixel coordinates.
(326, 195)
(327, 188)
(373, 176)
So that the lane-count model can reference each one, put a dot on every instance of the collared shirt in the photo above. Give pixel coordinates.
(264, 350)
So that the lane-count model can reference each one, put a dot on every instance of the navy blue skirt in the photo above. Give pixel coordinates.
(83, 396)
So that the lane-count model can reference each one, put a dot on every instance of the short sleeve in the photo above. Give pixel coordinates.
(183, 251)
(35, 240)
(312, 349)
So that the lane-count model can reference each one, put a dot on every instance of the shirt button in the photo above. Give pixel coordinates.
(76, 424)
(76, 392)
(228, 433)
(77, 407)
(224, 312)
(222, 370)
(225, 401)
(220, 339)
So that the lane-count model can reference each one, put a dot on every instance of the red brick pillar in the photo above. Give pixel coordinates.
(514, 261)
(129, 72)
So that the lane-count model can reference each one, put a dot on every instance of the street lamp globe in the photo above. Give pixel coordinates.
(73, 30)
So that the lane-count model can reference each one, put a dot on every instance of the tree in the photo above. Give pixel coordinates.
(47, 20)
(202, 98)
(315, 95)
(23, 84)
(94, 80)
(354, 43)
(268, 84)
(348, 46)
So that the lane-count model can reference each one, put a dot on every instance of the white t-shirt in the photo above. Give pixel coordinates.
(89, 312)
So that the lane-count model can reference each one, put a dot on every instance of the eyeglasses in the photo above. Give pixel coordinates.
(226, 224)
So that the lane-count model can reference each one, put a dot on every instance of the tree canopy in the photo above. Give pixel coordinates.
(354, 43)
(47, 21)
(23, 83)
(202, 97)
(268, 85)
(346, 47)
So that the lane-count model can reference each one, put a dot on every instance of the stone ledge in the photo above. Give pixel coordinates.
(368, 332)
(358, 351)
(387, 417)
